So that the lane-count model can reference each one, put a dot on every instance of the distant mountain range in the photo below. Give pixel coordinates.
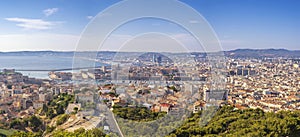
(238, 53)
(37, 53)
(263, 53)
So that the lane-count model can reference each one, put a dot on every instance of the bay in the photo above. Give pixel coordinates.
(38, 63)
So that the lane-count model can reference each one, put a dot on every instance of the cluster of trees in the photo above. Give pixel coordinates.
(156, 128)
(25, 134)
(54, 108)
(57, 106)
(62, 119)
(137, 113)
(227, 121)
(96, 132)
(33, 122)
(250, 122)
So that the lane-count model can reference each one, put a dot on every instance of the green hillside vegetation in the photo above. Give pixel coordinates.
(227, 122)
(55, 109)
(137, 113)
(33, 123)
(6, 132)
(96, 132)
(249, 123)
(62, 119)
(57, 106)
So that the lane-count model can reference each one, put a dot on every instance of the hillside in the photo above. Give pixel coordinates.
(230, 122)
(263, 53)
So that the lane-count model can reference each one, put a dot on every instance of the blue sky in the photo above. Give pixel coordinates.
(57, 24)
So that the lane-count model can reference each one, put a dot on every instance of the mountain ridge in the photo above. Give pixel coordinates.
(237, 53)
(263, 53)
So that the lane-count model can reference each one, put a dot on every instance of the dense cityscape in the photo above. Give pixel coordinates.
(152, 83)
(150, 68)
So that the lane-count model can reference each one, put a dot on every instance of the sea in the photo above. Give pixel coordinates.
(38, 63)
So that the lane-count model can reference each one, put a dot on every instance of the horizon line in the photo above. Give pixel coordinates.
(143, 51)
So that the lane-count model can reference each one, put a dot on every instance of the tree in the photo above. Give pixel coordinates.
(50, 113)
(44, 109)
(60, 109)
(16, 124)
(35, 123)
(9, 86)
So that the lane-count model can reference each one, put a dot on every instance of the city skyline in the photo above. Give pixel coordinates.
(162, 68)
(57, 25)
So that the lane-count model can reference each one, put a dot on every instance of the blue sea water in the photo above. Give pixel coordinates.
(36, 63)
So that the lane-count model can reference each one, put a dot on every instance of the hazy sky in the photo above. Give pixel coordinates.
(57, 24)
